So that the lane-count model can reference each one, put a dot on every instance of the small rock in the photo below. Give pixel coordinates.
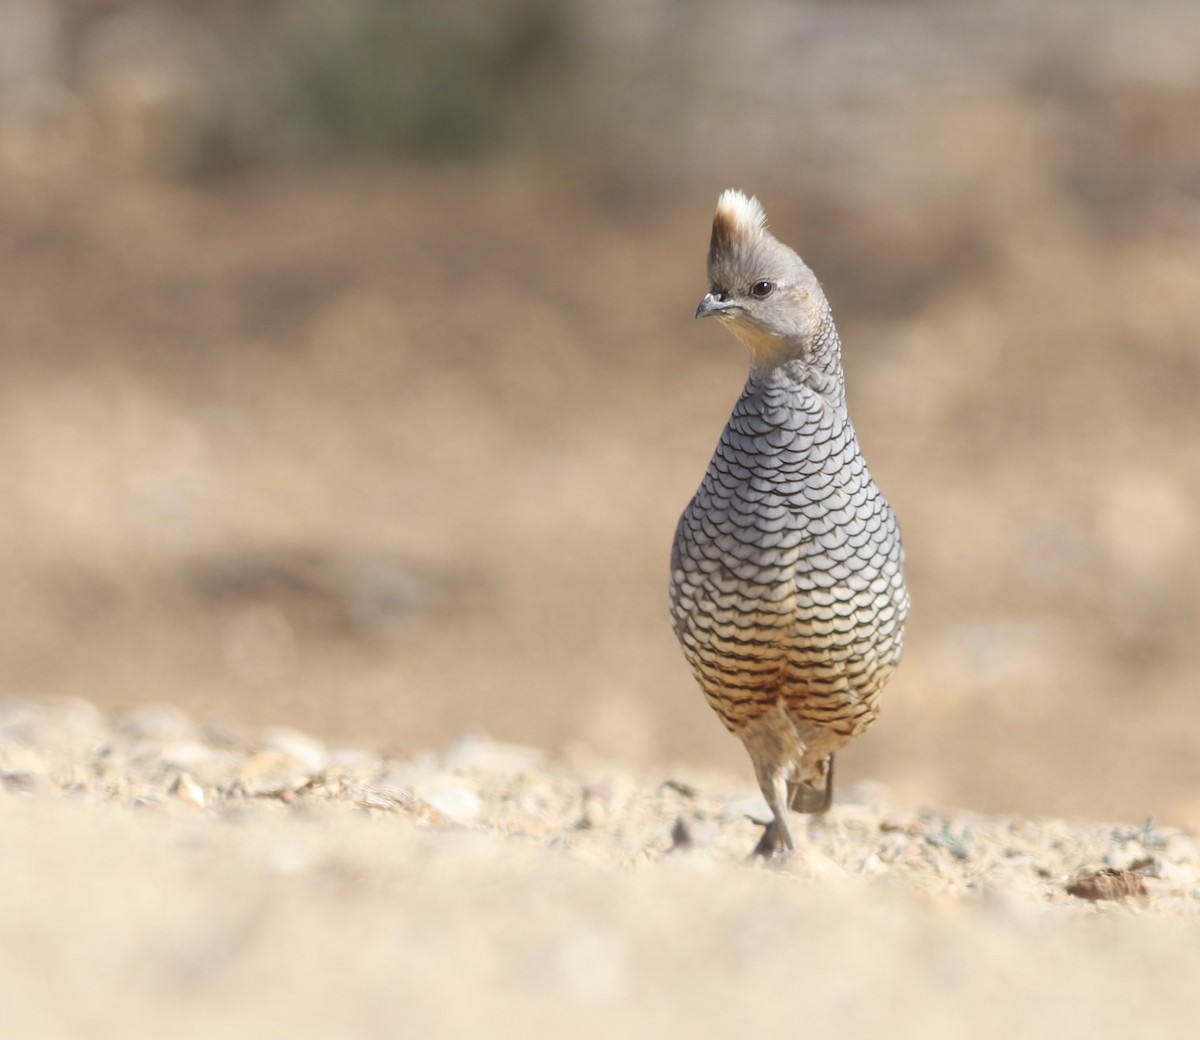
(19, 759)
(156, 722)
(873, 864)
(597, 807)
(187, 754)
(187, 790)
(692, 834)
(80, 718)
(486, 755)
(350, 757)
(271, 772)
(1108, 883)
(681, 788)
(458, 803)
(891, 823)
(375, 795)
(681, 835)
(308, 752)
(23, 781)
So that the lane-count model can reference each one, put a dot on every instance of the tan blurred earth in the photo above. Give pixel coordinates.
(397, 456)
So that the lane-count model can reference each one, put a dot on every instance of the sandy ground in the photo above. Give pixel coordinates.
(188, 881)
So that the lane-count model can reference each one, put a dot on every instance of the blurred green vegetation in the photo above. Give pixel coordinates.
(191, 89)
(422, 79)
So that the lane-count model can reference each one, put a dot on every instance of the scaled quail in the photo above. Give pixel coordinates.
(787, 584)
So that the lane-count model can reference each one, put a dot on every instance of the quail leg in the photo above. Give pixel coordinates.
(807, 798)
(776, 841)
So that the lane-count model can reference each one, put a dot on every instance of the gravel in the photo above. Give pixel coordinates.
(194, 879)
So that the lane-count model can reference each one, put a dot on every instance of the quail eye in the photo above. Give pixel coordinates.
(761, 290)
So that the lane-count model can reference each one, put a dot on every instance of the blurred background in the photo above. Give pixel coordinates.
(349, 381)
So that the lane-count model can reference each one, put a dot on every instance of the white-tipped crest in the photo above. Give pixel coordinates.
(742, 214)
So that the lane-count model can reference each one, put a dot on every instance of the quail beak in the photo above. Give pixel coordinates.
(713, 305)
